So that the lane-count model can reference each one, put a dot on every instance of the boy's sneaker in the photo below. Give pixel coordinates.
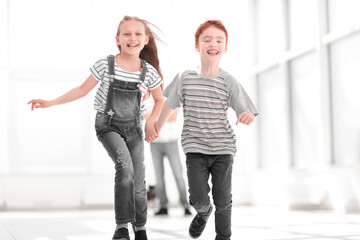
(198, 224)
(121, 234)
(140, 235)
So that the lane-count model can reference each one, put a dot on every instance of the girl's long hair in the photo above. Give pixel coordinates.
(149, 53)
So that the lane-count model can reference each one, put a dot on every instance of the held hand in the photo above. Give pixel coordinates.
(150, 132)
(39, 103)
(245, 118)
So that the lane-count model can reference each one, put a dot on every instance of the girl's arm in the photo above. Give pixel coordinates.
(150, 133)
(72, 95)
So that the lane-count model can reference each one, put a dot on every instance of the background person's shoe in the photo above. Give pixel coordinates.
(162, 211)
(187, 212)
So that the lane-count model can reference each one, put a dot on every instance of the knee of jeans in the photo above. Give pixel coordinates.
(223, 205)
(124, 177)
(198, 204)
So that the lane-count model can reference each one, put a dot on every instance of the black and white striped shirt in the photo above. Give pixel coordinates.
(205, 101)
(100, 72)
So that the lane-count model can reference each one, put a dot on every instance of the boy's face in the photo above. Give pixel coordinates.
(211, 45)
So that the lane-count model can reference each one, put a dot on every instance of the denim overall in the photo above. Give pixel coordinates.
(119, 129)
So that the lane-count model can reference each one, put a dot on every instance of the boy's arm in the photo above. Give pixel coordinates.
(164, 115)
(240, 101)
(245, 118)
(150, 132)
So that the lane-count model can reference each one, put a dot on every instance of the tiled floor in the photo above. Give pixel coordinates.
(248, 224)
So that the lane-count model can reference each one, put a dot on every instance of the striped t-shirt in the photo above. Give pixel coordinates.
(100, 72)
(205, 101)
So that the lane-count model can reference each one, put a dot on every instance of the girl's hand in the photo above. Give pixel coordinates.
(150, 132)
(39, 103)
(245, 118)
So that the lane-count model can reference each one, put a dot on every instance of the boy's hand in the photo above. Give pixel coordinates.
(150, 132)
(245, 118)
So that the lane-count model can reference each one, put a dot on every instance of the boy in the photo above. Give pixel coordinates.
(207, 137)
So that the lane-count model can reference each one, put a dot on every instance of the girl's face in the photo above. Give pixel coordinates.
(132, 37)
(211, 45)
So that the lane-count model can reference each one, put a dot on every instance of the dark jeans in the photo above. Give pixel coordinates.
(199, 168)
(125, 145)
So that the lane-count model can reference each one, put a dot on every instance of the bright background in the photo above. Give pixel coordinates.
(298, 60)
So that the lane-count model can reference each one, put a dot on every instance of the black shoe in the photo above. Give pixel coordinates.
(162, 211)
(140, 235)
(187, 212)
(121, 233)
(198, 224)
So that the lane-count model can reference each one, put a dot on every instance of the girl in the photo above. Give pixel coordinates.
(207, 137)
(125, 81)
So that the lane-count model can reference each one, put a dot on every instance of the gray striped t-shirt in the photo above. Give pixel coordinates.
(100, 72)
(205, 101)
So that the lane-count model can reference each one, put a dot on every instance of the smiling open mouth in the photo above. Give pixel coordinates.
(132, 45)
(213, 52)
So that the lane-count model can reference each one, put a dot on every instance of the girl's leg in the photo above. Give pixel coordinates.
(158, 162)
(124, 176)
(221, 173)
(135, 144)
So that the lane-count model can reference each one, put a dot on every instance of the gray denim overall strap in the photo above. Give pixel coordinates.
(124, 98)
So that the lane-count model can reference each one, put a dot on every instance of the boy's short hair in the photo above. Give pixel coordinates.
(216, 23)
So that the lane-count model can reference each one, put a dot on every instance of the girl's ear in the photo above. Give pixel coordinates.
(147, 38)
(197, 47)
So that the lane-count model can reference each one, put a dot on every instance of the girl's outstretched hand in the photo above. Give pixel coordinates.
(39, 103)
(245, 118)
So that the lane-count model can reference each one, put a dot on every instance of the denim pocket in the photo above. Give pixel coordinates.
(133, 132)
(125, 100)
(101, 121)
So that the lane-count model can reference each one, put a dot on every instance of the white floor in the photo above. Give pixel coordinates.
(248, 223)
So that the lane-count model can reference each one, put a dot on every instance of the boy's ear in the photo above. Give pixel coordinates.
(197, 47)
(117, 40)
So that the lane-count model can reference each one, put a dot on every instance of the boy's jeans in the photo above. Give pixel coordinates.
(125, 145)
(199, 167)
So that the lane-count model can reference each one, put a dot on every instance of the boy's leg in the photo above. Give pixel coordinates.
(221, 173)
(198, 176)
